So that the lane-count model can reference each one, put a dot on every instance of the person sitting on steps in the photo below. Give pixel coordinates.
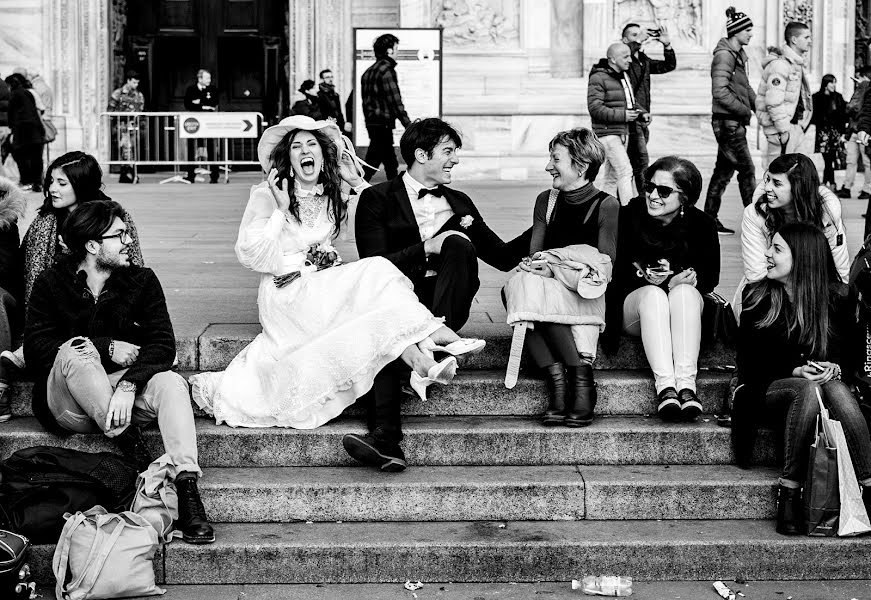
(100, 343)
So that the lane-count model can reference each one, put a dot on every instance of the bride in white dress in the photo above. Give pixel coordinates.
(327, 333)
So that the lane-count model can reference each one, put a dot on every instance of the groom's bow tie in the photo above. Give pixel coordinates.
(436, 191)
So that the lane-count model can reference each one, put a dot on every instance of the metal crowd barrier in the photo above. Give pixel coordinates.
(139, 139)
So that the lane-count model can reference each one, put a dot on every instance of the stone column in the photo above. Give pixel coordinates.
(77, 48)
(301, 42)
(319, 37)
(536, 20)
(566, 37)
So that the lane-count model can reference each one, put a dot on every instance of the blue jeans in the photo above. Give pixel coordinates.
(792, 402)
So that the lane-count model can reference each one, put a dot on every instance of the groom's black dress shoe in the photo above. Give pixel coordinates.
(369, 451)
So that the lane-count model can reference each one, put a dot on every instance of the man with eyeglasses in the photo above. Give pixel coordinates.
(101, 345)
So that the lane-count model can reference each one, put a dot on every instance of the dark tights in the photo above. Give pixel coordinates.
(551, 343)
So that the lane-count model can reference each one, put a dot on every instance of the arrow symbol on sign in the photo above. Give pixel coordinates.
(248, 125)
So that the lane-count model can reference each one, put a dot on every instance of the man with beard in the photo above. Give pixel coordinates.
(640, 70)
(101, 345)
(331, 105)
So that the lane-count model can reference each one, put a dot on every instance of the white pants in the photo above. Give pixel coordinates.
(670, 326)
(853, 150)
(616, 171)
(773, 149)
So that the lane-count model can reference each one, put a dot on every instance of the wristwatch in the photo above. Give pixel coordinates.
(127, 386)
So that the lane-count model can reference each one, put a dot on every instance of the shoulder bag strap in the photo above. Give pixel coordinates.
(551, 203)
(595, 204)
(62, 553)
(97, 558)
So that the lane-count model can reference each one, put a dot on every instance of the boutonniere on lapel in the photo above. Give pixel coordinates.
(467, 221)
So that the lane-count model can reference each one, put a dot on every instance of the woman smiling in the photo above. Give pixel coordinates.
(668, 257)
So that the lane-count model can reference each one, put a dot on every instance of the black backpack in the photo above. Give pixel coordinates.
(38, 485)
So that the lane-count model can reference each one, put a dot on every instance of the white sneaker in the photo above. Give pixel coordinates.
(15, 358)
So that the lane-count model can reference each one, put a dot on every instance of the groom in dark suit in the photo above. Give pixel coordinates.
(434, 235)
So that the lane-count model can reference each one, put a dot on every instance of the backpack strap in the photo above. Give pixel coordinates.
(597, 200)
(551, 203)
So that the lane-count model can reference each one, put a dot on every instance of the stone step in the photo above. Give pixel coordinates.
(540, 493)
(518, 551)
(441, 441)
(220, 343)
(484, 393)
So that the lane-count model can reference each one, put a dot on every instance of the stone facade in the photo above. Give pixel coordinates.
(514, 71)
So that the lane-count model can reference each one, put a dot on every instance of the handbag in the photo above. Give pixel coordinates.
(156, 499)
(50, 130)
(14, 570)
(822, 502)
(105, 555)
(718, 320)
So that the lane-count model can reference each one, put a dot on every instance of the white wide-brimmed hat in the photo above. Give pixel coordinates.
(273, 135)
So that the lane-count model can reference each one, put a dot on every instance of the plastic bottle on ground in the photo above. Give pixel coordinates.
(604, 585)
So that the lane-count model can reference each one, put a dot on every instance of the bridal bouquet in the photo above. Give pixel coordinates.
(317, 258)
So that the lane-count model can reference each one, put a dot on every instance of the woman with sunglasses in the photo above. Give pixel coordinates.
(796, 335)
(790, 191)
(667, 258)
(71, 179)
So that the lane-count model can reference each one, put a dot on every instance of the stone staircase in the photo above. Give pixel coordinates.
(490, 494)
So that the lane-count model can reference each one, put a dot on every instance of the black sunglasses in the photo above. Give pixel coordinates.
(662, 190)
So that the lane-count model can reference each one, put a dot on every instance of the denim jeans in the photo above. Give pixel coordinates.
(791, 403)
(670, 326)
(733, 154)
(79, 391)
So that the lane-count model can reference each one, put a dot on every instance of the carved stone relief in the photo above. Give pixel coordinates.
(799, 10)
(478, 23)
(682, 18)
(118, 24)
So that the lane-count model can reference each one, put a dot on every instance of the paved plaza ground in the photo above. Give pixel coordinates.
(188, 232)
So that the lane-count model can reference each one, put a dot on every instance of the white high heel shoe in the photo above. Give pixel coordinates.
(455, 348)
(442, 373)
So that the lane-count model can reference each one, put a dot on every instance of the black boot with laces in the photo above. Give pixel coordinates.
(192, 520)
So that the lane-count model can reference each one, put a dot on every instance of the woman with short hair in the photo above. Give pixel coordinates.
(795, 340)
(668, 258)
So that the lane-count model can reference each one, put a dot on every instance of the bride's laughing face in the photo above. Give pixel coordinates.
(306, 157)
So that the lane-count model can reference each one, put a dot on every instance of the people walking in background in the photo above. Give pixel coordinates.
(613, 110)
(330, 103)
(45, 95)
(733, 102)
(830, 118)
(795, 341)
(668, 257)
(104, 366)
(571, 213)
(854, 149)
(127, 98)
(382, 105)
(72, 180)
(12, 205)
(202, 96)
(5, 146)
(28, 133)
(307, 103)
(640, 70)
(783, 102)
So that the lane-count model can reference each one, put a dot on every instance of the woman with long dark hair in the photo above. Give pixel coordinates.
(830, 118)
(326, 331)
(795, 341)
(71, 179)
(789, 192)
(667, 259)
(28, 133)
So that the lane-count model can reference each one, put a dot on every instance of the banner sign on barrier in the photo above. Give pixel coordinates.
(218, 125)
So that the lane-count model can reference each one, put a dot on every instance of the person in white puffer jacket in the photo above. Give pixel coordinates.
(790, 191)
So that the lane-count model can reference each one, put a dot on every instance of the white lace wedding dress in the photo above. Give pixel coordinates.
(325, 335)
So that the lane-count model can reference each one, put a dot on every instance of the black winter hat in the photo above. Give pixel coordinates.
(736, 21)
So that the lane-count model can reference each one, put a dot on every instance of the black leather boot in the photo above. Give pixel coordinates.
(579, 412)
(192, 520)
(556, 393)
(133, 447)
(790, 511)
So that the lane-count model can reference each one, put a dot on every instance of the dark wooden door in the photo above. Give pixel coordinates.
(237, 41)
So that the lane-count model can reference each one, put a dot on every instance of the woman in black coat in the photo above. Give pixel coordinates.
(830, 117)
(28, 133)
(797, 337)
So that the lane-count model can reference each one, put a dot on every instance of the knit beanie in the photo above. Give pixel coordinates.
(736, 22)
